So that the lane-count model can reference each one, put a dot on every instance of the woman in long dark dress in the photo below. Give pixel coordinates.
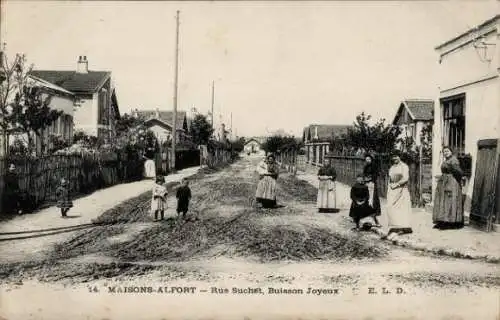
(371, 173)
(448, 202)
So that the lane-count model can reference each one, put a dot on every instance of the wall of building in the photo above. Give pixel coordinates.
(482, 114)
(252, 146)
(85, 116)
(161, 133)
(461, 71)
(463, 65)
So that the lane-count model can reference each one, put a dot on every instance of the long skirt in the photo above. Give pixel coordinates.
(448, 203)
(149, 169)
(326, 201)
(374, 198)
(359, 211)
(266, 191)
(399, 210)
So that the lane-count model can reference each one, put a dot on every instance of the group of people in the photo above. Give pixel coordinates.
(159, 196)
(365, 195)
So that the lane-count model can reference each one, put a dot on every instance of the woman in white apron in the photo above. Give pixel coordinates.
(326, 201)
(398, 199)
(149, 164)
(268, 172)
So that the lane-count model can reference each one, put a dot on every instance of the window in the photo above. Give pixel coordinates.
(453, 109)
(412, 132)
(102, 106)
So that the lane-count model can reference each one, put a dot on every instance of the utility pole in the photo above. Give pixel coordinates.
(176, 88)
(231, 124)
(213, 97)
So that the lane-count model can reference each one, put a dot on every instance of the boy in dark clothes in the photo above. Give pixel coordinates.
(360, 207)
(183, 196)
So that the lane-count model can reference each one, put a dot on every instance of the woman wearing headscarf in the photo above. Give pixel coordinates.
(398, 198)
(326, 200)
(370, 173)
(448, 202)
(268, 172)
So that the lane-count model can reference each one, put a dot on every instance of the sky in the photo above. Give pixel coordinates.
(276, 65)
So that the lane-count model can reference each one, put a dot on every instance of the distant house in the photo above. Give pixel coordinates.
(97, 106)
(468, 106)
(61, 100)
(317, 139)
(161, 123)
(412, 116)
(253, 146)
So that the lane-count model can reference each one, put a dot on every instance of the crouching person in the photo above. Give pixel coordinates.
(360, 207)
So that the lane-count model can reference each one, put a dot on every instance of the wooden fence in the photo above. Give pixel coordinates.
(219, 156)
(39, 177)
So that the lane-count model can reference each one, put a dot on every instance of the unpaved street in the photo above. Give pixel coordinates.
(233, 245)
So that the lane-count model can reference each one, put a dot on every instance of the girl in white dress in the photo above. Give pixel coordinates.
(159, 198)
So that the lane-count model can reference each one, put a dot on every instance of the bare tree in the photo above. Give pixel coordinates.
(24, 106)
(12, 76)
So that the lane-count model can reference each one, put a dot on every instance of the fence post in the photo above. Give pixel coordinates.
(420, 171)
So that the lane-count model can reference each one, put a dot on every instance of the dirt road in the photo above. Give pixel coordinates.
(296, 261)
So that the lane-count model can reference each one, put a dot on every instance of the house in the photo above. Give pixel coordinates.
(317, 140)
(97, 106)
(252, 146)
(412, 116)
(467, 107)
(61, 100)
(161, 123)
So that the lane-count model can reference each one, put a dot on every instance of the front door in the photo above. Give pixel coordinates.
(485, 193)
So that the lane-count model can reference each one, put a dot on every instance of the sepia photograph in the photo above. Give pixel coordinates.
(318, 160)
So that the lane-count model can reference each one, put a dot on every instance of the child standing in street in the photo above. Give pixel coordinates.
(63, 200)
(183, 196)
(159, 198)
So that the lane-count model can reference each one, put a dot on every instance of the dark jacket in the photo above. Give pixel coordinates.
(328, 171)
(183, 195)
(370, 172)
(360, 192)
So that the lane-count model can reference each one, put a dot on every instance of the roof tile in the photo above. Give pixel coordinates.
(84, 83)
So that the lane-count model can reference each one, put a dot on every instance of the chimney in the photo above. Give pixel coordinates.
(83, 65)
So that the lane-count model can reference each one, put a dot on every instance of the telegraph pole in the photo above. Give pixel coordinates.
(213, 97)
(176, 88)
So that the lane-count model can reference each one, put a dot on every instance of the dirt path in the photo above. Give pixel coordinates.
(234, 245)
(39, 231)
